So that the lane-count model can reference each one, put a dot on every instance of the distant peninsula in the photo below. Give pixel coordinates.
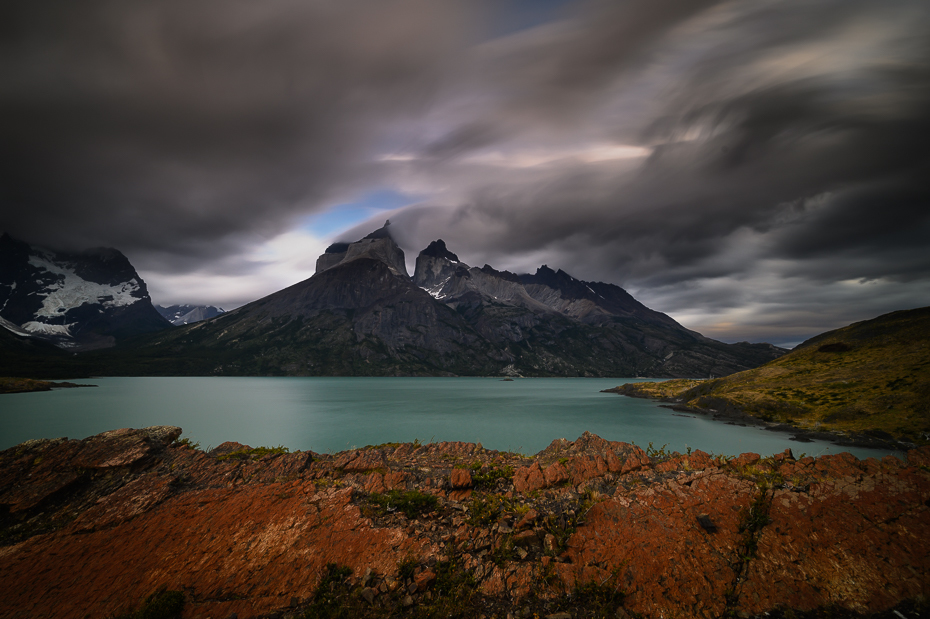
(24, 385)
(867, 383)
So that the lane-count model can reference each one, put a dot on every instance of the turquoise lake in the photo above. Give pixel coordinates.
(334, 414)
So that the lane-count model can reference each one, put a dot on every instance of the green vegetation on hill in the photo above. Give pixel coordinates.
(869, 377)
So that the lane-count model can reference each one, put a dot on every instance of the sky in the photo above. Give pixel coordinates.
(758, 169)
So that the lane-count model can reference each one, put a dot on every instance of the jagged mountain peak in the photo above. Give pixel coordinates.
(360, 314)
(505, 275)
(378, 245)
(438, 249)
(547, 291)
(105, 253)
(337, 248)
(185, 314)
(383, 232)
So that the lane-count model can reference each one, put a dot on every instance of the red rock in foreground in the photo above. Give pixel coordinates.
(90, 528)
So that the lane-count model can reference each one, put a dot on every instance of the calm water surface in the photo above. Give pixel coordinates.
(333, 414)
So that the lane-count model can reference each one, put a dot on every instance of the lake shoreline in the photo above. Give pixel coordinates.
(334, 414)
(731, 415)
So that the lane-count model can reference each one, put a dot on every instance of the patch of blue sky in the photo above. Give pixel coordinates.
(343, 216)
(516, 15)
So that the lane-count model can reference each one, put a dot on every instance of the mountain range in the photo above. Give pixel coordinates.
(180, 315)
(362, 314)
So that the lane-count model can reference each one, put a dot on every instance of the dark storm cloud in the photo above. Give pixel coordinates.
(183, 127)
(788, 141)
(714, 157)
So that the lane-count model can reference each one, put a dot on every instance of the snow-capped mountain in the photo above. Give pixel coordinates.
(180, 315)
(361, 314)
(78, 301)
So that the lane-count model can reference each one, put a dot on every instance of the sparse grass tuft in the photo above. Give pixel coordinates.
(185, 442)
(254, 453)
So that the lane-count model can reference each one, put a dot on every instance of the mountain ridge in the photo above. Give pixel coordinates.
(361, 314)
(77, 301)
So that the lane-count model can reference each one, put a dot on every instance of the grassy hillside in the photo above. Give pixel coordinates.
(869, 377)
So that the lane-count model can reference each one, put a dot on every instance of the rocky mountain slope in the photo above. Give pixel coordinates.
(585, 528)
(362, 315)
(552, 322)
(871, 377)
(79, 301)
(180, 315)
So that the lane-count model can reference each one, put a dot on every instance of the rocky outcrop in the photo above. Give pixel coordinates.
(90, 528)
(377, 246)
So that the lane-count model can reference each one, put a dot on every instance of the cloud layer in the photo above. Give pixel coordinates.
(757, 170)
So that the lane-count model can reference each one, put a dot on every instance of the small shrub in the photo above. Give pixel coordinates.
(330, 596)
(451, 578)
(659, 453)
(754, 518)
(505, 552)
(162, 604)
(186, 442)
(411, 502)
(406, 568)
(486, 510)
(482, 477)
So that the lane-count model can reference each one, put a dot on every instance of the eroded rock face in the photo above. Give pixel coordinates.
(92, 527)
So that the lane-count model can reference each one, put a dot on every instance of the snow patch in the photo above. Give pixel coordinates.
(436, 291)
(47, 329)
(72, 291)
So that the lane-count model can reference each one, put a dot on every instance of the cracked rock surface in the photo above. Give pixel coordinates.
(92, 527)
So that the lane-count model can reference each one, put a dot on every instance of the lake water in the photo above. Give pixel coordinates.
(333, 414)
